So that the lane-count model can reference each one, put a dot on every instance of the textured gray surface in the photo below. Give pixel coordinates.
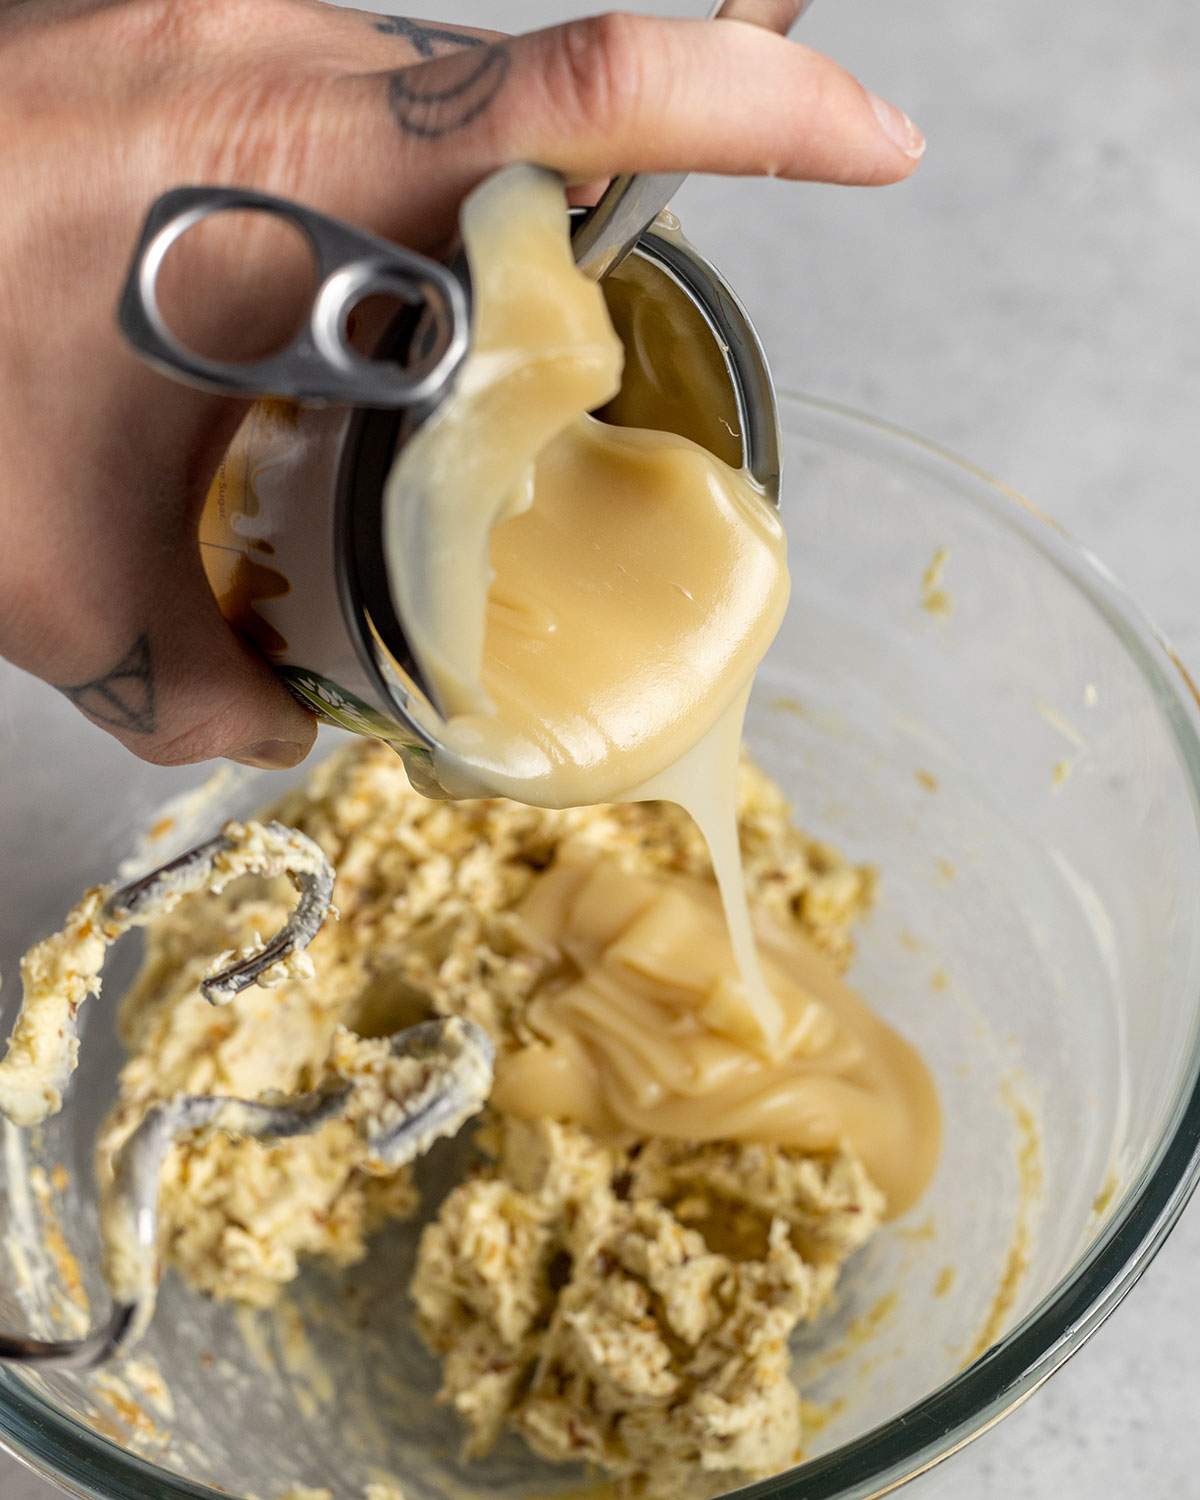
(1031, 300)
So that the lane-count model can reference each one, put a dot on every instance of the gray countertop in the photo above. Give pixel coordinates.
(1031, 300)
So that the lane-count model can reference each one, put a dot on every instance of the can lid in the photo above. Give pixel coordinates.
(319, 365)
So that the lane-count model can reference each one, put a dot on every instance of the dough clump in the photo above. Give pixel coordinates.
(623, 1303)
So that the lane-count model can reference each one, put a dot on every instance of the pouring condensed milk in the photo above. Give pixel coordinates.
(583, 608)
(588, 602)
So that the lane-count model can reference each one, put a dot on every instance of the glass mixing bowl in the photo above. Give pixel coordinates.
(1013, 747)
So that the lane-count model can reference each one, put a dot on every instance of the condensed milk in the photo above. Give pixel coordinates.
(639, 1031)
(587, 602)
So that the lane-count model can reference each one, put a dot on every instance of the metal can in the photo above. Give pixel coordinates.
(291, 531)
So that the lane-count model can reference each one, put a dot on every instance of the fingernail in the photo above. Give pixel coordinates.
(898, 128)
(271, 755)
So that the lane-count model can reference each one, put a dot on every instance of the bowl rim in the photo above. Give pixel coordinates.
(64, 1451)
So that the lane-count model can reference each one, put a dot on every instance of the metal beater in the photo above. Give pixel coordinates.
(442, 1077)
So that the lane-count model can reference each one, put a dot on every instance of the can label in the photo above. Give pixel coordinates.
(268, 548)
(238, 530)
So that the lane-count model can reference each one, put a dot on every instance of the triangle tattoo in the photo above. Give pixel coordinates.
(122, 697)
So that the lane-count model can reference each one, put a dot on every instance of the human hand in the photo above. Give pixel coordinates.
(382, 121)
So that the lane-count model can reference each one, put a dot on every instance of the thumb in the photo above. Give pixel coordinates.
(175, 684)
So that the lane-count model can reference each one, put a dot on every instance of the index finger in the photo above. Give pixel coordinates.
(625, 93)
(611, 94)
(772, 15)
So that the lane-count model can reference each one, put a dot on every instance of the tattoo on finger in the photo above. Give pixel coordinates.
(435, 99)
(426, 41)
(122, 697)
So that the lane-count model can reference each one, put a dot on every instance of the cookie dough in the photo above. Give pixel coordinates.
(631, 1307)
(618, 1299)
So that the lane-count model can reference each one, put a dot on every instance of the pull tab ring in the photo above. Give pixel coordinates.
(319, 365)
